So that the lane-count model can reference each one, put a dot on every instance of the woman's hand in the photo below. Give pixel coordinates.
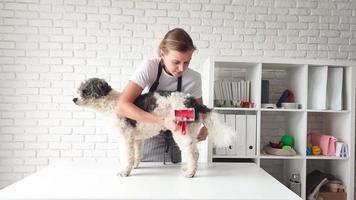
(203, 133)
(170, 124)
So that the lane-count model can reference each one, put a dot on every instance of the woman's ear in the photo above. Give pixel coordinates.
(161, 53)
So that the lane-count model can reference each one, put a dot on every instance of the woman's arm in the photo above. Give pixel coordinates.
(126, 108)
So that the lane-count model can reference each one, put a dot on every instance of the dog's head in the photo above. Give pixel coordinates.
(92, 91)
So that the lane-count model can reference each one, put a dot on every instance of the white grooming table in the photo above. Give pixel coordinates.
(91, 180)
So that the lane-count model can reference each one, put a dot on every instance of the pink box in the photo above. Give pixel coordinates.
(326, 143)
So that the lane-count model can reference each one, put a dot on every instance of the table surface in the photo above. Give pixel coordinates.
(91, 180)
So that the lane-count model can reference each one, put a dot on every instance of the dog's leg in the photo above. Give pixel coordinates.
(191, 155)
(190, 151)
(126, 148)
(138, 152)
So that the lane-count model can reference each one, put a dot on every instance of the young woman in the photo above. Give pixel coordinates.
(170, 72)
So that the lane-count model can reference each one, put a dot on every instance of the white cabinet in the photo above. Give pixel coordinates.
(271, 124)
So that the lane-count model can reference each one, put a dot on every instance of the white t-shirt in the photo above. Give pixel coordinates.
(146, 75)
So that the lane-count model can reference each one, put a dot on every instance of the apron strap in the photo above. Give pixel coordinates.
(179, 85)
(159, 72)
(156, 83)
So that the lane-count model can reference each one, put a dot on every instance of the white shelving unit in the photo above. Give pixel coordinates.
(272, 123)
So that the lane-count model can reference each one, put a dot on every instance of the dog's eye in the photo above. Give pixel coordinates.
(85, 92)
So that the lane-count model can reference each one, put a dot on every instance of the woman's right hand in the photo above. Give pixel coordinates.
(171, 124)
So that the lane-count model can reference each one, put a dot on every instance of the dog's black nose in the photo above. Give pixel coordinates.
(75, 100)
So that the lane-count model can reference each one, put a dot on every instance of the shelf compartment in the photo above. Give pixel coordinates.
(286, 76)
(338, 168)
(275, 124)
(319, 74)
(236, 71)
(330, 123)
(245, 125)
(282, 169)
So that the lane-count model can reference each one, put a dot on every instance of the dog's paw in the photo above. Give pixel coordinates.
(136, 164)
(123, 173)
(189, 173)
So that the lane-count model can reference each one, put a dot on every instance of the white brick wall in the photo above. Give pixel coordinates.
(48, 46)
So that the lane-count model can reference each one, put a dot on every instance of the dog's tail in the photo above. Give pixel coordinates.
(221, 133)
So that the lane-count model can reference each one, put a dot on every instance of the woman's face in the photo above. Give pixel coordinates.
(176, 62)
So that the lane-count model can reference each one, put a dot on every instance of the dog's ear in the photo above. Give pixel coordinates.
(102, 88)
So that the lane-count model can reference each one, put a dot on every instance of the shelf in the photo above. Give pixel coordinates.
(266, 156)
(272, 124)
(232, 156)
(281, 110)
(328, 111)
(234, 108)
(326, 158)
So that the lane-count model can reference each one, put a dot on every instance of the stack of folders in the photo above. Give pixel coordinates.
(232, 92)
(342, 150)
(325, 88)
(245, 128)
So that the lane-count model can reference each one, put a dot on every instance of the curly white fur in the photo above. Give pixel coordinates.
(130, 137)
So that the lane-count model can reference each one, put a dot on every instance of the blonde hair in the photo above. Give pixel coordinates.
(177, 40)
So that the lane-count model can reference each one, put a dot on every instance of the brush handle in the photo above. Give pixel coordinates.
(183, 125)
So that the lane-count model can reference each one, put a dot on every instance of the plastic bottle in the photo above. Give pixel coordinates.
(294, 184)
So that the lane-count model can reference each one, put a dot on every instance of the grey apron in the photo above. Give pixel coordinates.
(162, 147)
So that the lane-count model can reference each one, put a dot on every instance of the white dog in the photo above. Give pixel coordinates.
(97, 94)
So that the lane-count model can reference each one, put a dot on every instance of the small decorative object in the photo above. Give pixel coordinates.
(316, 150)
(335, 186)
(219, 102)
(287, 140)
(247, 104)
(279, 152)
(264, 91)
(294, 183)
(269, 105)
(283, 148)
(287, 96)
(287, 148)
(309, 151)
(276, 145)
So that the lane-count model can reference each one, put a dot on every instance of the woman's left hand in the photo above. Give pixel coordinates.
(203, 133)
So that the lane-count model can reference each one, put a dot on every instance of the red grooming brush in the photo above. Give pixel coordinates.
(186, 115)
